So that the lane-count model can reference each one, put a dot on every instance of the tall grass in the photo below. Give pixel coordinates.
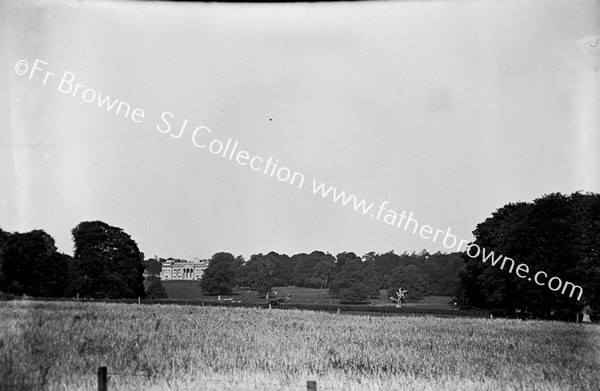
(58, 346)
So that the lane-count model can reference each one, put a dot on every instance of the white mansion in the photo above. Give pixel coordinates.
(183, 270)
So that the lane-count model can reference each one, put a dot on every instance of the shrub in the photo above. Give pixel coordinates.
(156, 290)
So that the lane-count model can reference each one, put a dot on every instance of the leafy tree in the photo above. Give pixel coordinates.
(246, 274)
(382, 265)
(355, 293)
(156, 290)
(441, 273)
(258, 273)
(557, 234)
(313, 270)
(343, 258)
(407, 278)
(283, 272)
(319, 269)
(219, 278)
(3, 238)
(106, 261)
(355, 280)
(152, 267)
(30, 265)
(4, 235)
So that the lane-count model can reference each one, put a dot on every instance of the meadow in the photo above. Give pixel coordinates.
(190, 290)
(60, 345)
(181, 289)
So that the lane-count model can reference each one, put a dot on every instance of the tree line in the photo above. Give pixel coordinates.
(558, 234)
(106, 263)
(347, 275)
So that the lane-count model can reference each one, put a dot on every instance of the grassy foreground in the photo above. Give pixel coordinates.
(59, 345)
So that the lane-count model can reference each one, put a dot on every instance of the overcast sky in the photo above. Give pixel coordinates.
(448, 110)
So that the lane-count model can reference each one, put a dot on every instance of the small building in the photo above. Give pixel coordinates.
(179, 269)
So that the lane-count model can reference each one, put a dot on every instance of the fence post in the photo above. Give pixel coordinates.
(102, 379)
(311, 385)
(139, 302)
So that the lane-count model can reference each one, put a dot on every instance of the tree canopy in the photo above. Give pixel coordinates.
(152, 267)
(155, 289)
(106, 262)
(219, 278)
(30, 265)
(557, 234)
(353, 279)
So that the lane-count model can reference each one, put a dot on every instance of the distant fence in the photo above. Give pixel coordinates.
(103, 378)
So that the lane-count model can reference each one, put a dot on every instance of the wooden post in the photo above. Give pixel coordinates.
(102, 379)
(139, 302)
(311, 385)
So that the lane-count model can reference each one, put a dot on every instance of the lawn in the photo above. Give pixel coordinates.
(60, 345)
(190, 290)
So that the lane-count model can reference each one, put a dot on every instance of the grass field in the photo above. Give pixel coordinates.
(59, 345)
(191, 290)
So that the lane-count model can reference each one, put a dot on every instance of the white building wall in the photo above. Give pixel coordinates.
(183, 270)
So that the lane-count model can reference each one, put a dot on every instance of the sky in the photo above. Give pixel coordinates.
(447, 110)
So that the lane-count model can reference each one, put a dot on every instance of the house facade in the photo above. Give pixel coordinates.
(183, 270)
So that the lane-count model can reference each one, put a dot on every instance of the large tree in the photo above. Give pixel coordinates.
(219, 278)
(313, 270)
(153, 267)
(30, 264)
(4, 235)
(106, 262)
(441, 273)
(353, 279)
(260, 272)
(407, 278)
(155, 289)
(557, 234)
